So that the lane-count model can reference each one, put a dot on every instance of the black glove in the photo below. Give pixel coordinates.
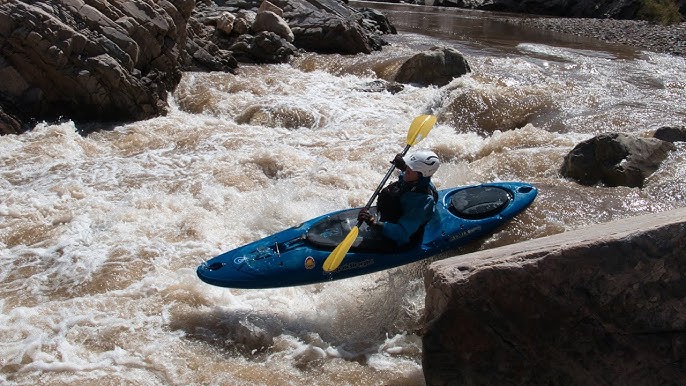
(366, 217)
(399, 162)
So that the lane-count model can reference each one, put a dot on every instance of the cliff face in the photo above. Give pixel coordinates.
(601, 305)
(90, 59)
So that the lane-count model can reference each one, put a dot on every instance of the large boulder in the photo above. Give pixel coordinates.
(438, 67)
(615, 159)
(603, 305)
(91, 59)
(271, 22)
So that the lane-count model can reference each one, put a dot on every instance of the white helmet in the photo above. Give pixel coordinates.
(423, 161)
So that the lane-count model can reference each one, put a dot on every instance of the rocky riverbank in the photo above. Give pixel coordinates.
(99, 61)
(636, 33)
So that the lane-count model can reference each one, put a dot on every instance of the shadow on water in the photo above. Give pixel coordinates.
(86, 128)
(257, 334)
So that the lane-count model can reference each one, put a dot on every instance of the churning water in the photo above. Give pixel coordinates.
(100, 235)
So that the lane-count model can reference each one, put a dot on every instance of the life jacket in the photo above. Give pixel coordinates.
(388, 202)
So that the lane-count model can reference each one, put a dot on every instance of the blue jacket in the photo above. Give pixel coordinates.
(417, 209)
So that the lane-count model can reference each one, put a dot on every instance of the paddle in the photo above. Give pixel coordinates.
(419, 129)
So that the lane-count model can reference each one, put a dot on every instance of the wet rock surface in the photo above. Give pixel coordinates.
(615, 159)
(437, 66)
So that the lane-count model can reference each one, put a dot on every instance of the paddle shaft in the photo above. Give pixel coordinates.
(419, 129)
(383, 182)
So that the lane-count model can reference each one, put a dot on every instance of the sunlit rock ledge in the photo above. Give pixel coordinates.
(600, 305)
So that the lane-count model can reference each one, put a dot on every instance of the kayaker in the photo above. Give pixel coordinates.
(406, 205)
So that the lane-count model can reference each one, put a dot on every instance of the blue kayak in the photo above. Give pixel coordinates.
(295, 256)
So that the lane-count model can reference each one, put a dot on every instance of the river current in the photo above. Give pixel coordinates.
(100, 235)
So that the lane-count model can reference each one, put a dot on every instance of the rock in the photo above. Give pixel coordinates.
(225, 22)
(600, 305)
(327, 26)
(10, 123)
(376, 21)
(381, 86)
(263, 47)
(671, 134)
(615, 160)
(91, 60)
(244, 21)
(271, 22)
(211, 30)
(670, 39)
(438, 66)
(268, 6)
(202, 53)
(210, 58)
(13, 120)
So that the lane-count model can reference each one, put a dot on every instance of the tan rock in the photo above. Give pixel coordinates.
(269, 6)
(271, 22)
(225, 22)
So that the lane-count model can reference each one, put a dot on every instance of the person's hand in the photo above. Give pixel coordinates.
(366, 217)
(399, 162)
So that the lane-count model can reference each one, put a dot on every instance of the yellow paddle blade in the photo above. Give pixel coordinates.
(336, 257)
(420, 128)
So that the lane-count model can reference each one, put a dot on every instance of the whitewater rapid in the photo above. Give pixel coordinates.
(100, 235)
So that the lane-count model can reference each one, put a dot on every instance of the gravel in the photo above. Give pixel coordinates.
(636, 33)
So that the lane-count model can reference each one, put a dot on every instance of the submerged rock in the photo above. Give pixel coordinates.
(381, 85)
(615, 160)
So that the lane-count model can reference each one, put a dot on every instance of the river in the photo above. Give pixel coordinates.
(100, 235)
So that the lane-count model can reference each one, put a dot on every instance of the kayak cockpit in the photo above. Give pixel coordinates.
(329, 232)
(479, 202)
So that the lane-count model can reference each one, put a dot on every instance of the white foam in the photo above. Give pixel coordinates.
(100, 236)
